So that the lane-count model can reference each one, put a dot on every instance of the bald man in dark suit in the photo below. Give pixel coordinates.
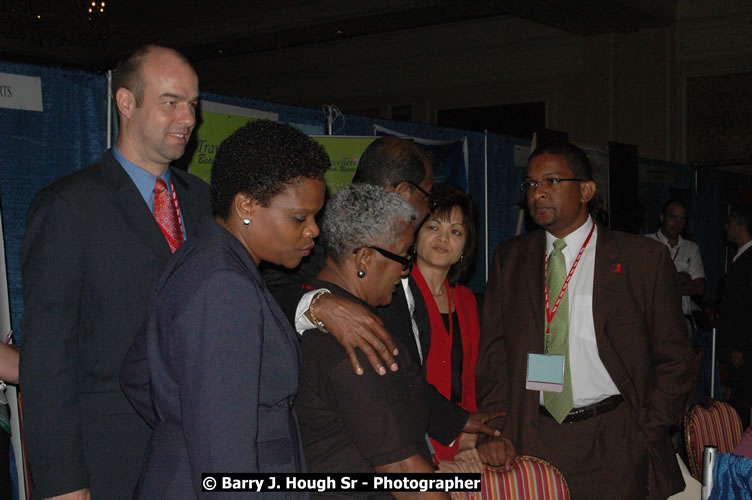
(92, 253)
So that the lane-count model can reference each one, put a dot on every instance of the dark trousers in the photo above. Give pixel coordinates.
(604, 457)
(5, 485)
(740, 382)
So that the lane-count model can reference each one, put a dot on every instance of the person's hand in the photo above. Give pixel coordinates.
(476, 422)
(469, 461)
(737, 358)
(466, 441)
(684, 278)
(497, 452)
(73, 495)
(685, 282)
(354, 326)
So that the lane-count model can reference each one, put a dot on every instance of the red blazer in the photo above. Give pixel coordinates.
(439, 361)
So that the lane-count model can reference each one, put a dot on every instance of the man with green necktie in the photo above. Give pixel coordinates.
(583, 341)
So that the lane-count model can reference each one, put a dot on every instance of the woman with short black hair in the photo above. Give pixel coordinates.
(221, 358)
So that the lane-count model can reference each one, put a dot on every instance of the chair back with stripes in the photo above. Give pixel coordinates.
(531, 478)
(719, 425)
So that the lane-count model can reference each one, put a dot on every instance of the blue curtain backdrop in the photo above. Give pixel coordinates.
(38, 147)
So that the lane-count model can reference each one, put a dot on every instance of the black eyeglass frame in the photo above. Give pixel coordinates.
(432, 203)
(428, 195)
(549, 182)
(405, 261)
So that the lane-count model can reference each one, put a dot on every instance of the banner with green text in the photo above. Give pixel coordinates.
(344, 153)
(218, 121)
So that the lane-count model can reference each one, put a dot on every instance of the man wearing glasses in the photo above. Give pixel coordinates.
(583, 342)
(400, 166)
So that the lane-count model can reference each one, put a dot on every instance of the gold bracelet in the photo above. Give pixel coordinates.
(319, 324)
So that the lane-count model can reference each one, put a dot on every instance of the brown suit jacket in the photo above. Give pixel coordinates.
(639, 331)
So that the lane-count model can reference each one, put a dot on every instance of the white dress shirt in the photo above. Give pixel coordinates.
(590, 379)
(687, 259)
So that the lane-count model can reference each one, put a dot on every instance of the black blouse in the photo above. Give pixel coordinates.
(353, 423)
(457, 355)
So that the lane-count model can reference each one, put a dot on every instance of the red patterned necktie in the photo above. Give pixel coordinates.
(166, 215)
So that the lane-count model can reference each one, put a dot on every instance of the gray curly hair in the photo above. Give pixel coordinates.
(361, 215)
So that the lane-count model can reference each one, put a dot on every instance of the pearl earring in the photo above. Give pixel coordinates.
(361, 274)
(246, 222)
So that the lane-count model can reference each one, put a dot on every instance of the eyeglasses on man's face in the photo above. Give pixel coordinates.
(404, 260)
(428, 195)
(548, 183)
(432, 204)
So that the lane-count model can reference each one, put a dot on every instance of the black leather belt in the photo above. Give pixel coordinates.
(586, 412)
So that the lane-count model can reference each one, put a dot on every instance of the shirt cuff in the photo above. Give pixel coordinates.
(302, 323)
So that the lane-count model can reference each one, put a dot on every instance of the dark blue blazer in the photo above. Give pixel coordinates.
(214, 372)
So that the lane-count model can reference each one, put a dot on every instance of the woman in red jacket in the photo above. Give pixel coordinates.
(445, 249)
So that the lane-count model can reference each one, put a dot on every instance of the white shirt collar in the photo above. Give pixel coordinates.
(742, 249)
(662, 238)
(574, 240)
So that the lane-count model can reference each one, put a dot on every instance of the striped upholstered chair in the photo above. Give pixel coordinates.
(531, 478)
(718, 425)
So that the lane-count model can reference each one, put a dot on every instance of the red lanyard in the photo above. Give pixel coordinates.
(673, 259)
(551, 312)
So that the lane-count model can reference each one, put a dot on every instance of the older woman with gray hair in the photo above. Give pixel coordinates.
(367, 423)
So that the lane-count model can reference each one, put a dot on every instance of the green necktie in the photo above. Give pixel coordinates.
(559, 404)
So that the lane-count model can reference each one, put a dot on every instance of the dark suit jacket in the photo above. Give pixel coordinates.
(91, 255)
(447, 419)
(639, 331)
(734, 328)
(222, 366)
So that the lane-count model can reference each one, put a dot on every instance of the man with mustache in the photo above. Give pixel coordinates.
(583, 341)
(95, 245)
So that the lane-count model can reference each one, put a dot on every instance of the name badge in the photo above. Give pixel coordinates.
(545, 372)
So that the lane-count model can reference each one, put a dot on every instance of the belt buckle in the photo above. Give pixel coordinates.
(578, 415)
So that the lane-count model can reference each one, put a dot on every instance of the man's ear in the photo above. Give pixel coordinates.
(587, 191)
(404, 190)
(125, 101)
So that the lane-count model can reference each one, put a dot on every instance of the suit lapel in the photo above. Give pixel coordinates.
(421, 318)
(396, 317)
(133, 208)
(744, 259)
(533, 266)
(190, 212)
(607, 279)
